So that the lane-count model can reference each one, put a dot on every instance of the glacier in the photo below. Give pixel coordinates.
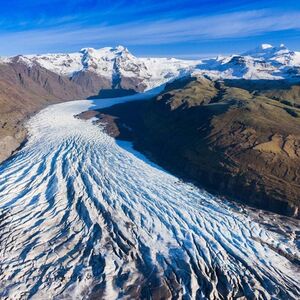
(85, 217)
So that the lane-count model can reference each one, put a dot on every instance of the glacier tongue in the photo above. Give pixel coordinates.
(85, 217)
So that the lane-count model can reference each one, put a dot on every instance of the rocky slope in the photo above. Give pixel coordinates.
(25, 90)
(239, 138)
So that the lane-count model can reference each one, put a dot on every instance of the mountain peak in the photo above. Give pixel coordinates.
(267, 51)
(120, 48)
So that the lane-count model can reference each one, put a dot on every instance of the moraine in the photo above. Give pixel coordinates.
(84, 217)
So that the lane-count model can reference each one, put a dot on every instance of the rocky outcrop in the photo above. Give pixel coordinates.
(233, 139)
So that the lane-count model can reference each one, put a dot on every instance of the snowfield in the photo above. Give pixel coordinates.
(84, 216)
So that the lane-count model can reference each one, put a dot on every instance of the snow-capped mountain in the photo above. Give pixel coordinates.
(113, 63)
(281, 54)
(118, 68)
(264, 62)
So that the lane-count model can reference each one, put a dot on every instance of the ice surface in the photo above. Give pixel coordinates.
(82, 215)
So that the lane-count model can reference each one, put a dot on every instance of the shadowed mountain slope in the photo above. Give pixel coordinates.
(237, 139)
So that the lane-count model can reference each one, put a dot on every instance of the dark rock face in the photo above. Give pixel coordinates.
(91, 83)
(237, 141)
(131, 83)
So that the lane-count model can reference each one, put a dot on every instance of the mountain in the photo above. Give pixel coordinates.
(25, 90)
(30, 82)
(264, 62)
(116, 65)
(238, 138)
(121, 69)
(281, 54)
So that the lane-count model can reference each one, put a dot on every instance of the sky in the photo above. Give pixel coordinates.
(185, 29)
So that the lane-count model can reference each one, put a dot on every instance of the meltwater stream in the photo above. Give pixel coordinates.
(84, 217)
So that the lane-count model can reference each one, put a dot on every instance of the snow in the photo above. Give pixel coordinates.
(163, 70)
(62, 64)
(263, 62)
(4, 60)
(110, 62)
(79, 210)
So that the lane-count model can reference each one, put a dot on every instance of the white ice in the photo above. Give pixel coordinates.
(84, 215)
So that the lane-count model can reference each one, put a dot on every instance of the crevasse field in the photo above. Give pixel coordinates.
(85, 217)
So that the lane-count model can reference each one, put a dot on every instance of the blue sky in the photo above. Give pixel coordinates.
(187, 28)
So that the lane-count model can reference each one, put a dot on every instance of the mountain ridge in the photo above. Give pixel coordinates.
(263, 62)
